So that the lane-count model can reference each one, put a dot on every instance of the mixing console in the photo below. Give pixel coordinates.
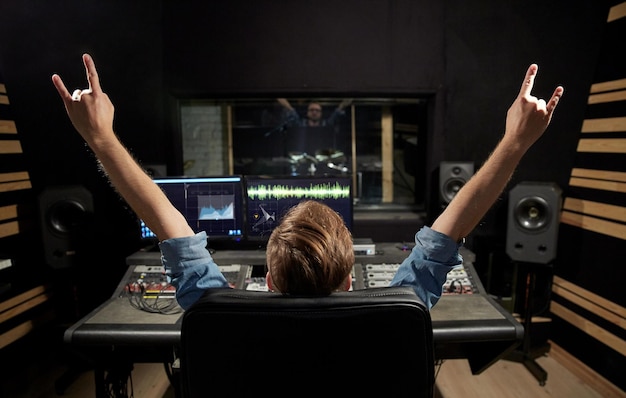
(150, 281)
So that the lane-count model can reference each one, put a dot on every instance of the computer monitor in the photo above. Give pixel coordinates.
(269, 197)
(211, 204)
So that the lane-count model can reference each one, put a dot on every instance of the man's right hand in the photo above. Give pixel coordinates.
(90, 110)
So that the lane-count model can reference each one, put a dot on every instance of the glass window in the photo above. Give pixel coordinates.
(380, 142)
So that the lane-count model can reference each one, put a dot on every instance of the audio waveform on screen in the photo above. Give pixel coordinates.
(216, 207)
(313, 191)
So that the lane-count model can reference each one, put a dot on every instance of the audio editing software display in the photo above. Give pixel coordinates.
(211, 204)
(268, 198)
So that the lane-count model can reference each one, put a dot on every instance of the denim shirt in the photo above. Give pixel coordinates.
(190, 267)
(427, 266)
(192, 270)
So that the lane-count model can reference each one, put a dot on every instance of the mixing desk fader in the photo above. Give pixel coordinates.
(460, 280)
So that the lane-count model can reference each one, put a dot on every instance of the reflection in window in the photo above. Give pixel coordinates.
(380, 142)
(292, 137)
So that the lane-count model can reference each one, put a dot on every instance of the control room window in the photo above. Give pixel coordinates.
(380, 142)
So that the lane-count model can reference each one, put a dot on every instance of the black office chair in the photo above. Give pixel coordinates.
(237, 343)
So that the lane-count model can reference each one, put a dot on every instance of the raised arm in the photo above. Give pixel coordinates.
(91, 113)
(346, 102)
(285, 103)
(527, 119)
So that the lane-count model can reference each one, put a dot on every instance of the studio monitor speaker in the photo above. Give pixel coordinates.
(533, 222)
(452, 177)
(66, 215)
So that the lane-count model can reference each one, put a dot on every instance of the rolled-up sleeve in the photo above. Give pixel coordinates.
(427, 266)
(190, 267)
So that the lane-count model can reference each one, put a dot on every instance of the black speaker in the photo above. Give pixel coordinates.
(452, 177)
(66, 214)
(533, 222)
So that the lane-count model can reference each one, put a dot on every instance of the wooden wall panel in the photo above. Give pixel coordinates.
(593, 224)
(15, 180)
(16, 230)
(609, 124)
(7, 126)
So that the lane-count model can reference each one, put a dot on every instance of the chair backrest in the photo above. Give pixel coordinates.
(237, 343)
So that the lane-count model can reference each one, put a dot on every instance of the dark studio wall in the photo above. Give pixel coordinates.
(469, 57)
(488, 48)
(282, 48)
(290, 47)
(125, 39)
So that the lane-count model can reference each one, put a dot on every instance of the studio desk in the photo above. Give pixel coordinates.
(467, 323)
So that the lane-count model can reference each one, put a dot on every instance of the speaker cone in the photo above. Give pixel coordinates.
(532, 213)
(67, 216)
(452, 176)
(452, 187)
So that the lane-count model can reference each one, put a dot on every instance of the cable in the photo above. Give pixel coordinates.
(438, 366)
(155, 302)
(119, 382)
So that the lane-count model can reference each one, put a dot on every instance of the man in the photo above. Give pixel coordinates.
(314, 114)
(310, 251)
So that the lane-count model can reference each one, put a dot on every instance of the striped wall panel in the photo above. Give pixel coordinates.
(25, 303)
(600, 203)
(588, 306)
(12, 179)
(605, 309)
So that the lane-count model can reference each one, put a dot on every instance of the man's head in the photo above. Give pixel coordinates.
(314, 113)
(310, 252)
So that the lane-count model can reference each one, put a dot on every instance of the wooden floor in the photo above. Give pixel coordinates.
(566, 378)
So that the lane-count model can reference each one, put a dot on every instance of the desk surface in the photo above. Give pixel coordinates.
(471, 326)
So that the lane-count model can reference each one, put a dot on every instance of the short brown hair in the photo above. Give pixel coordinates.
(310, 252)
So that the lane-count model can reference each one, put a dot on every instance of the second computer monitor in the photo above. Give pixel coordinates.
(269, 198)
